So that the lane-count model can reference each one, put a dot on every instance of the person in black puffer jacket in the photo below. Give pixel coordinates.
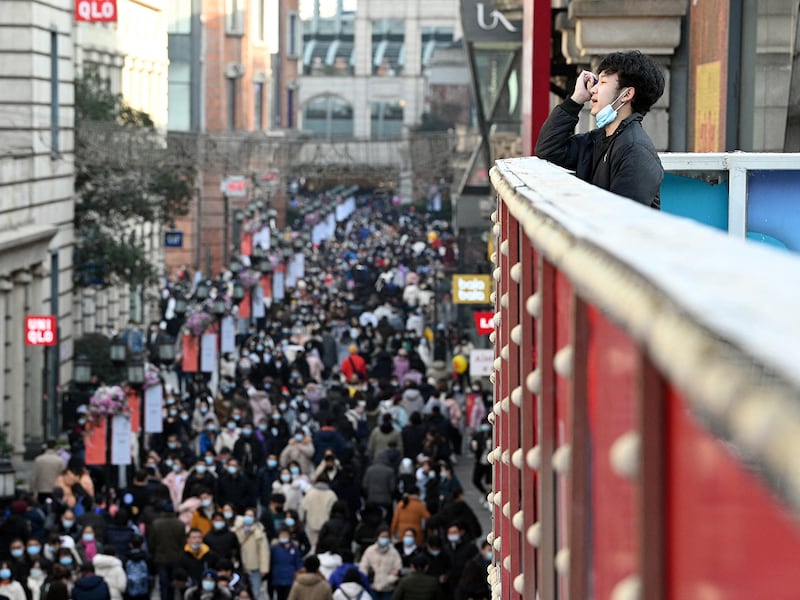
(337, 532)
(90, 586)
(617, 156)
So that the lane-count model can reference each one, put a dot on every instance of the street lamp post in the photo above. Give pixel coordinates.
(135, 376)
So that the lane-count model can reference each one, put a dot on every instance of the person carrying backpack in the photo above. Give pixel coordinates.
(351, 587)
(137, 571)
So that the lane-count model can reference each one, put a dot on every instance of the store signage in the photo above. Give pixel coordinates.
(173, 239)
(471, 289)
(96, 11)
(484, 322)
(41, 330)
(481, 362)
(482, 22)
(234, 186)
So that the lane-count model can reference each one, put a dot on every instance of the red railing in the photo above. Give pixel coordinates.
(647, 422)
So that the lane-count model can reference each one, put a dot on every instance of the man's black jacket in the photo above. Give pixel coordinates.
(626, 163)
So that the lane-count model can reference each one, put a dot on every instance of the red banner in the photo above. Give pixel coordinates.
(96, 11)
(484, 322)
(134, 409)
(244, 306)
(247, 244)
(95, 442)
(191, 353)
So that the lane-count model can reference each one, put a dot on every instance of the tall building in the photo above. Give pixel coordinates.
(36, 209)
(220, 72)
(364, 73)
(131, 55)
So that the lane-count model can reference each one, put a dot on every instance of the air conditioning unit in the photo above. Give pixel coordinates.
(234, 70)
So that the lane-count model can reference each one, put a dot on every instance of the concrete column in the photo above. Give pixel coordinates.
(34, 402)
(5, 350)
(18, 382)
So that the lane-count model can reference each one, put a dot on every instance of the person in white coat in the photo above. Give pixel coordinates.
(110, 568)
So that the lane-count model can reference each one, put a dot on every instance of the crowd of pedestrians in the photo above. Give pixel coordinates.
(320, 466)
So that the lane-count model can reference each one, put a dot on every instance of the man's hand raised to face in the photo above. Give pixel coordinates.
(585, 82)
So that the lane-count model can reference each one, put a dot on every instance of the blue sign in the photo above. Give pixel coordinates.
(173, 239)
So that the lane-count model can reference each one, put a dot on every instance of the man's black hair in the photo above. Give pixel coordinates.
(638, 71)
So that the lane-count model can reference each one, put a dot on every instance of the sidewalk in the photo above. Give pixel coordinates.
(472, 495)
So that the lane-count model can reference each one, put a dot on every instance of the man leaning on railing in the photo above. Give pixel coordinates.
(618, 156)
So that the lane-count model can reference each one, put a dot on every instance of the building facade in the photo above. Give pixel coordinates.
(131, 55)
(364, 73)
(36, 210)
(220, 88)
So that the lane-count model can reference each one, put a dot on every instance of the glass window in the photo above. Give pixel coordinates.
(232, 85)
(258, 91)
(388, 48)
(292, 34)
(179, 109)
(234, 17)
(387, 119)
(432, 38)
(179, 16)
(329, 117)
(261, 20)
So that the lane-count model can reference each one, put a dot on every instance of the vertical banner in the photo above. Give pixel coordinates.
(95, 442)
(247, 244)
(134, 405)
(245, 310)
(208, 353)
(227, 335)
(120, 440)
(190, 353)
(277, 285)
(257, 303)
(263, 238)
(153, 402)
(266, 288)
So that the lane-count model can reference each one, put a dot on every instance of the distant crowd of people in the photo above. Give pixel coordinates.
(320, 466)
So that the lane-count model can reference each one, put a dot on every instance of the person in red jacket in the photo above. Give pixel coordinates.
(354, 364)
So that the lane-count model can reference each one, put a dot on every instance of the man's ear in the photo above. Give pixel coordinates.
(629, 94)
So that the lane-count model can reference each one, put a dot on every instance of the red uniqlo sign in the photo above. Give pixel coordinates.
(484, 322)
(96, 10)
(40, 330)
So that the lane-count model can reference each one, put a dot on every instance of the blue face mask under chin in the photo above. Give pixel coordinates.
(608, 114)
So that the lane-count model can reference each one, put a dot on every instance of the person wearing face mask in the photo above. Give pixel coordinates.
(203, 414)
(88, 546)
(382, 564)
(67, 559)
(618, 156)
(200, 476)
(209, 587)
(196, 556)
(18, 562)
(285, 561)
(37, 575)
(254, 548)
(473, 582)
(201, 518)
(209, 433)
(407, 548)
(248, 450)
(236, 488)
(175, 480)
(459, 551)
(315, 509)
(68, 526)
(228, 436)
(419, 583)
(221, 538)
(300, 450)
